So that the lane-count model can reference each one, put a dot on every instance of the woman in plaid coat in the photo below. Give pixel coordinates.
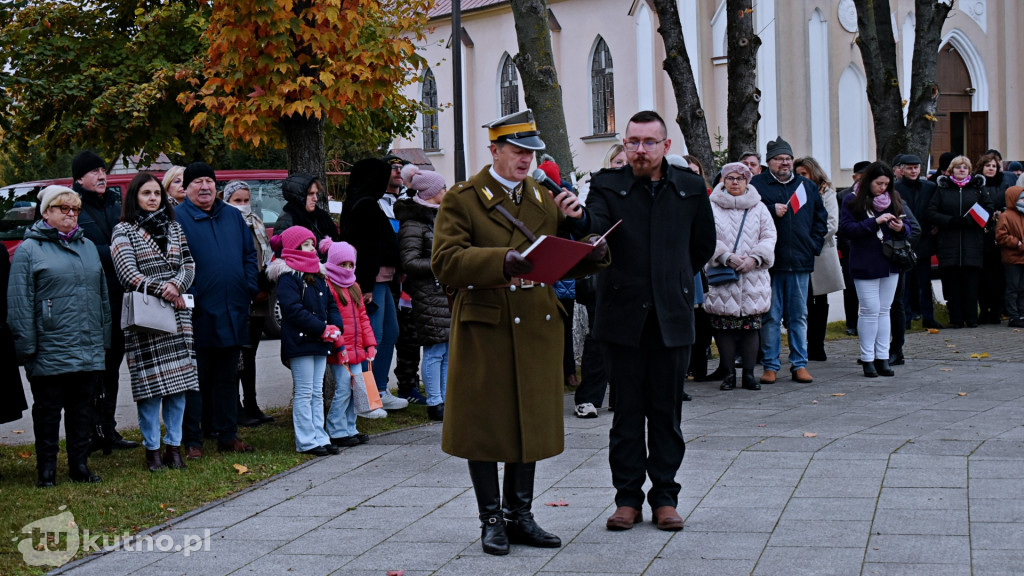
(150, 253)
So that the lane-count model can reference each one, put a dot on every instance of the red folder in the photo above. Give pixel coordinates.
(553, 257)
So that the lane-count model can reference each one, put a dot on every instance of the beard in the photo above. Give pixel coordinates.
(642, 167)
(784, 174)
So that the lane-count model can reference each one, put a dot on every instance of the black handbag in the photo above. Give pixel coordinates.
(718, 275)
(899, 252)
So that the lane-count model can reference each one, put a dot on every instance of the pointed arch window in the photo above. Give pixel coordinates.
(509, 86)
(602, 89)
(431, 134)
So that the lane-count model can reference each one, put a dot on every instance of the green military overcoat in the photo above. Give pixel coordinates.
(505, 397)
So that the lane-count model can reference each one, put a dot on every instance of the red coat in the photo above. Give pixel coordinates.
(358, 334)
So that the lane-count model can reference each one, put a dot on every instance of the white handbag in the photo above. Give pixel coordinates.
(142, 312)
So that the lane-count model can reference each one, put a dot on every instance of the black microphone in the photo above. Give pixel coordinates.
(544, 180)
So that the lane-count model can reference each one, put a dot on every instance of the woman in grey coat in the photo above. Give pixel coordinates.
(150, 254)
(60, 317)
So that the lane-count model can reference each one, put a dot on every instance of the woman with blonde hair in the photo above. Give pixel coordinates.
(172, 182)
(827, 276)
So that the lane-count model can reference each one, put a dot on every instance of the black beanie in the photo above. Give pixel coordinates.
(197, 170)
(777, 147)
(85, 162)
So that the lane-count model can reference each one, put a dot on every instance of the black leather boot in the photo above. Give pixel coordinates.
(882, 367)
(47, 477)
(153, 461)
(869, 369)
(749, 382)
(80, 473)
(518, 493)
(730, 381)
(493, 536)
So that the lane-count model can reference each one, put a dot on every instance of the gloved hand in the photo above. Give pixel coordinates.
(599, 252)
(516, 264)
(331, 333)
(371, 353)
(746, 264)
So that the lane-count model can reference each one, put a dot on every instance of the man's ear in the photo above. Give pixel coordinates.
(668, 144)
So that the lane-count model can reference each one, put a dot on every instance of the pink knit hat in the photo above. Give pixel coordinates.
(338, 253)
(299, 260)
(294, 236)
(426, 183)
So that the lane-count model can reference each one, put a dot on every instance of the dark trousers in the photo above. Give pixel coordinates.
(817, 323)
(919, 286)
(568, 352)
(247, 371)
(648, 398)
(851, 304)
(993, 287)
(407, 348)
(214, 409)
(593, 376)
(105, 391)
(698, 364)
(72, 393)
(898, 318)
(960, 288)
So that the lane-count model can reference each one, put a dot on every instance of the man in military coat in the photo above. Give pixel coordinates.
(505, 395)
(644, 315)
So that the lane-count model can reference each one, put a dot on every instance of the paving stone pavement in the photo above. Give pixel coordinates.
(916, 474)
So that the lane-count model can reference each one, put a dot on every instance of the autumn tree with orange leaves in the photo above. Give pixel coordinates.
(278, 70)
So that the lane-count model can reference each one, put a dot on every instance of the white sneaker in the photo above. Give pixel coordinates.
(392, 402)
(374, 414)
(586, 410)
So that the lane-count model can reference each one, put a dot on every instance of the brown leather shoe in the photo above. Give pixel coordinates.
(193, 452)
(624, 518)
(802, 375)
(667, 518)
(234, 445)
(768, 377)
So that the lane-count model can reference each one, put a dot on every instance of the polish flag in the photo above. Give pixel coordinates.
(798, 199)
(979, 214)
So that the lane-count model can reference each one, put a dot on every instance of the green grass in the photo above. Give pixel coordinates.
(131, 498)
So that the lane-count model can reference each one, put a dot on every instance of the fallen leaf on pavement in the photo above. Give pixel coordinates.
(396, 572)
(933, 330)
(946, 369)
(25, 455)
(18, 431)
(961, 393)
(810, 434)
(241, 469)
(761, 425)
(840, 394)
(975, 355)
(984, 355)
(557, 503)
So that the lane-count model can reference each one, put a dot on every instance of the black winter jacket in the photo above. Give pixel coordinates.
(99, 216)
(917, 195)
(430, 312)
(960, 239)
(801, 235)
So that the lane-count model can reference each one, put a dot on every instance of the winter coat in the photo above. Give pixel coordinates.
(505, 396)
(827, 276)
(160, 364)
(752, 294)
(1010, 230)
(226, 273)
(995, 189)
(319, 221)
(960, 240)
(365, 225)
(11, 387)
(100, 213)
(306, 310)
(565, 289)
(663, 241)
(862, 231)
(801, 235)
(430, 313)
(358, 332)
(58, 305)
(917, 195)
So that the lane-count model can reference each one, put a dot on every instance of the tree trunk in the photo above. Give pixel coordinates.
(878, 51)
(305, 148)
(540, 79)
(744, 96)
(690, 117)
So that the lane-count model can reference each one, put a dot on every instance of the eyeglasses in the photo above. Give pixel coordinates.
(65, 209)
(649, 145)
(735, 179)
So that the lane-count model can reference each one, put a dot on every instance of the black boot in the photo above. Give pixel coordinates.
(493, 537)
(244, 419)
(153, 461)
(80, 473)
(882, 367)
(869, 369)
(522, 529)
(730, 381)
(47, 477)
(749, 383)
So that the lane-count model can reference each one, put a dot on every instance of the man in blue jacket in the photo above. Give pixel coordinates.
(225, 284)
(801, 222)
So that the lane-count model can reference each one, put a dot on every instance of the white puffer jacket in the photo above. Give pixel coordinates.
(752, 294)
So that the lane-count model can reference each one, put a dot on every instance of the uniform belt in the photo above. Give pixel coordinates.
(515, 284)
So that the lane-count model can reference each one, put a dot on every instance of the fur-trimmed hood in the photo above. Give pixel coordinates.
(279, 268)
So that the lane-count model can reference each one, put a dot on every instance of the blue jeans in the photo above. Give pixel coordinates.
(341, 419)
(308, 402)
(789, 303)
(384, 321)
(435, 372)
(149, 419)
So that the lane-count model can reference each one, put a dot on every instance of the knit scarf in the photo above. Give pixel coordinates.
(301, 261)
(156, 223)
(881, 202)
(960, 183)
(342, 277)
